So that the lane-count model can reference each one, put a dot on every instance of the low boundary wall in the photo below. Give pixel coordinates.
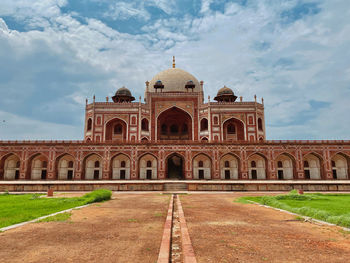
(191, 185)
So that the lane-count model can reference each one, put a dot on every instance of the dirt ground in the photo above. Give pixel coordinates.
(224, 231)
(126, 229)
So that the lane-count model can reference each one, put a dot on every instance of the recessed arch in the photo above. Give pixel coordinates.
(340, 166)
(233, 129)
(116, 130)
(64, 169)
(285, 164)
(120, 166)
(229, 166)
(145, 124)
(37, 166)
(257, 164)
(10, 167)
(313, 163)
(175, 166)
(91, 170)
(204, 124)
(174, 124)
(202, 165)
(146, 171)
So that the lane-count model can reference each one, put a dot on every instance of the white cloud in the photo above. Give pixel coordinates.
(247, 48)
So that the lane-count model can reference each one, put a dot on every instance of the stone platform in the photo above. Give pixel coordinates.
(176, 185)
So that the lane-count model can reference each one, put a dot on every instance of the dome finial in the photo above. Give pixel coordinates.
(173, 61)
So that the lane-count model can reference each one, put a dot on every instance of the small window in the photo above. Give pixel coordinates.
(164, 129)
(118, 129)
(97, 164)
(306, 164)
(184, 128)
(122, 164)
(231, 129)
(70, 164)
(149, 164)
(200, 164)
(144, 125)
(333, 164)
(260, 124)
(174, 129)
(253, 164)
(89, 125)
(204, 124)
(279, 164)
(227, 164)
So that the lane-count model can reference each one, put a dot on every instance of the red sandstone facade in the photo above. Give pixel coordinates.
(174, 135)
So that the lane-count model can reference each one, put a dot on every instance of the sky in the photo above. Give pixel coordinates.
(56, 53)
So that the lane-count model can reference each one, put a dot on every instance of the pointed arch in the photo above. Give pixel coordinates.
(146, 171)
(120, 167)
(257, 166)
(65, 164)
(233, 129)
(285, 166)
(92, 167)
(174, 124)
(175, 166)
(229, 166)
(202, 166)
(313, 164)
(37, 166)
(116, 130)
(340, 166)
(10, 167)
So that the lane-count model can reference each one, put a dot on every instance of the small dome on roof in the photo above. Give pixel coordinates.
(225, 91)
(123, 92)
(123, 95)
(225, 94)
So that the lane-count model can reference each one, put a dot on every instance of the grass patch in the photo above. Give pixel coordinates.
(132, 220)
(332, 208)
(20, 208)
(57, 218)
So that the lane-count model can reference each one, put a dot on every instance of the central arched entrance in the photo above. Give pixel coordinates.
(175, 167)
(174, 124)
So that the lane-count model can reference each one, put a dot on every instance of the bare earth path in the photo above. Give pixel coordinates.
(224, 231)
(126, 229)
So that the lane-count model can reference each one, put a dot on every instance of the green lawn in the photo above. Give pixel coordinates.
(333, 208)
(20, 208)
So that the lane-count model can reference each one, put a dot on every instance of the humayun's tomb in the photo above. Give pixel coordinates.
(175, 136)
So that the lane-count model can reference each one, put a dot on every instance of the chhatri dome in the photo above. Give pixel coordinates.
(174, 80)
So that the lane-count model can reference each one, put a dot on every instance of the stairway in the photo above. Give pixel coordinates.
(175, 187)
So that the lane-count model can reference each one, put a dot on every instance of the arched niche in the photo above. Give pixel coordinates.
(285, 167)
(312, 167)
(148, 167)
(11, 167)
(65, 167)
(93, 167)
(116, 130)
(175, 166)
(174, 124)
(120, 167)
(201, 167)
(257, 167)
(229, 164)
(38, 165)
(233, 130)
(340, 168)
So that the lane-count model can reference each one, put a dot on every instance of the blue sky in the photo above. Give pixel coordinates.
(56, 53)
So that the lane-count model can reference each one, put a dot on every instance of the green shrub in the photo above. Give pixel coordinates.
(97, 196)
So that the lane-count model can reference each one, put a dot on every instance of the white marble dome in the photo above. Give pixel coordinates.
(174, 80)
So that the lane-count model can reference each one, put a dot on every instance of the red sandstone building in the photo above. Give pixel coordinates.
(174, 134)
